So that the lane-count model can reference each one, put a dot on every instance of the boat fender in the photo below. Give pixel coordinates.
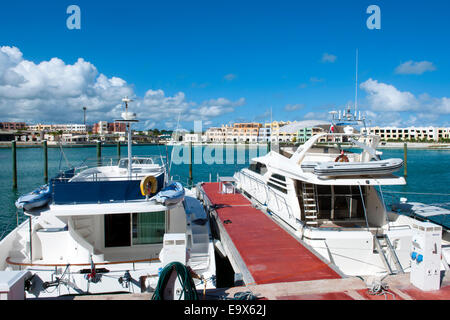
(149, 185)
(341, 158)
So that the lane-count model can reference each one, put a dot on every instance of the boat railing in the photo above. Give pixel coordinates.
(122, 162)
(30, 264)
(268, 191)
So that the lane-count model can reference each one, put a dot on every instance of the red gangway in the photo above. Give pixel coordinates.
(270, 253)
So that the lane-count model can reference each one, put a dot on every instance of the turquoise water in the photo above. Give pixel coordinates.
(428, 172)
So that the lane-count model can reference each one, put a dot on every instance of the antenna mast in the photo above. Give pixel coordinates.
(356, 85)
(128, 118)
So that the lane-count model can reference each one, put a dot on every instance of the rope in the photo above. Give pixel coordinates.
(184, 277)
(69, 165)
(380, 288)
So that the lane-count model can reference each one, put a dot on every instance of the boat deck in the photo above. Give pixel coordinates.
(269, 253)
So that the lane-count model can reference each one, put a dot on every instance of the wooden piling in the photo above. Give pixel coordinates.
(405, 159)
(118, 150)
(190, 164)
(99, 153)
(45, 148)
(14, 163)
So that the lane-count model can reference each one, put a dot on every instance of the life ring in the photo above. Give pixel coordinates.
(149, 185)
(341, 158)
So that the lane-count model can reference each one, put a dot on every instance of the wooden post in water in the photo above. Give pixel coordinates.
(118, 150)
(99, 152)
(405, 159)
(44, 145)
(190, 164)
(14, 164)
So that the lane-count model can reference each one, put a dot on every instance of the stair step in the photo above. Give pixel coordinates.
(312, 222)
(17, 255)
(310, 211)
(311, 217)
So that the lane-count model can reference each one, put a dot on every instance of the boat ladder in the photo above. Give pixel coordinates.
(309, 195)
(385, 250)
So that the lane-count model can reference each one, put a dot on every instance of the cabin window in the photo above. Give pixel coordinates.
(149, 227)
(124, 230)
(272, 185)
(279, 177)
(258, 168)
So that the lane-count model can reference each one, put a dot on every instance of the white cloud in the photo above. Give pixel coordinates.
(53, 91)
(386, 97)
(293, 107)
(230, 76)
(316, 116)
(412, 67)
(389, 105)
(326, 57)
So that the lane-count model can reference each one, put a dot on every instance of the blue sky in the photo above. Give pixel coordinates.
(223, 61)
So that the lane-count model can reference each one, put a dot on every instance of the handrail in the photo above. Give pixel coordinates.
(8, 261)
(288, 207)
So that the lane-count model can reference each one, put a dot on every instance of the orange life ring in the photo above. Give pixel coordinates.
(341, 158)
(149, 185)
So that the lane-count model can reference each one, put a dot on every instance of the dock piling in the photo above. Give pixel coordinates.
(190, 163)
(14, 163)
(99, 152)
(405, 159)
(44, 146)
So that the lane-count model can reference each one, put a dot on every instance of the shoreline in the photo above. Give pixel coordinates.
(6, 145)
(387, 145)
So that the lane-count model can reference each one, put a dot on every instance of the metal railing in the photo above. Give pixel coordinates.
(268, 190)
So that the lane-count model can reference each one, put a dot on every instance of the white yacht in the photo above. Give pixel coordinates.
(109, 228)
(328, 193)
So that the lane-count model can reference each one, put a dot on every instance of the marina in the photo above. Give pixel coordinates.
(225, 159)
(272, 251)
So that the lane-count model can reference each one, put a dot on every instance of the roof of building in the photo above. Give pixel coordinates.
(295, 126)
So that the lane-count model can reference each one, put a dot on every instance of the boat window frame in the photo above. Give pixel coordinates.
(130, 228)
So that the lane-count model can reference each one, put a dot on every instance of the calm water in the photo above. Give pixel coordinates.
(428, 172)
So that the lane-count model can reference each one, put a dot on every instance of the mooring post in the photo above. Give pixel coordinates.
(99, 152)
(405, 159)
(14, 163)
(44, 145)
(190, 163)
(118, 150)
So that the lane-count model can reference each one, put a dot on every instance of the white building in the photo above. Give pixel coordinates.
(192, 137)
(215, 134)
(66, 128)
(410, 133)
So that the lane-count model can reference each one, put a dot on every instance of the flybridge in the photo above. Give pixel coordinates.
(65, 191)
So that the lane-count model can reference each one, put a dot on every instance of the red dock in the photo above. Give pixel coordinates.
(269, 253)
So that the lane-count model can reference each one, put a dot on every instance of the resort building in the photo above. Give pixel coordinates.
(10, 126)
(215, 134)
(242, 132)
(103, 127)
(66, 128)
(301, 131)
(410, 133)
